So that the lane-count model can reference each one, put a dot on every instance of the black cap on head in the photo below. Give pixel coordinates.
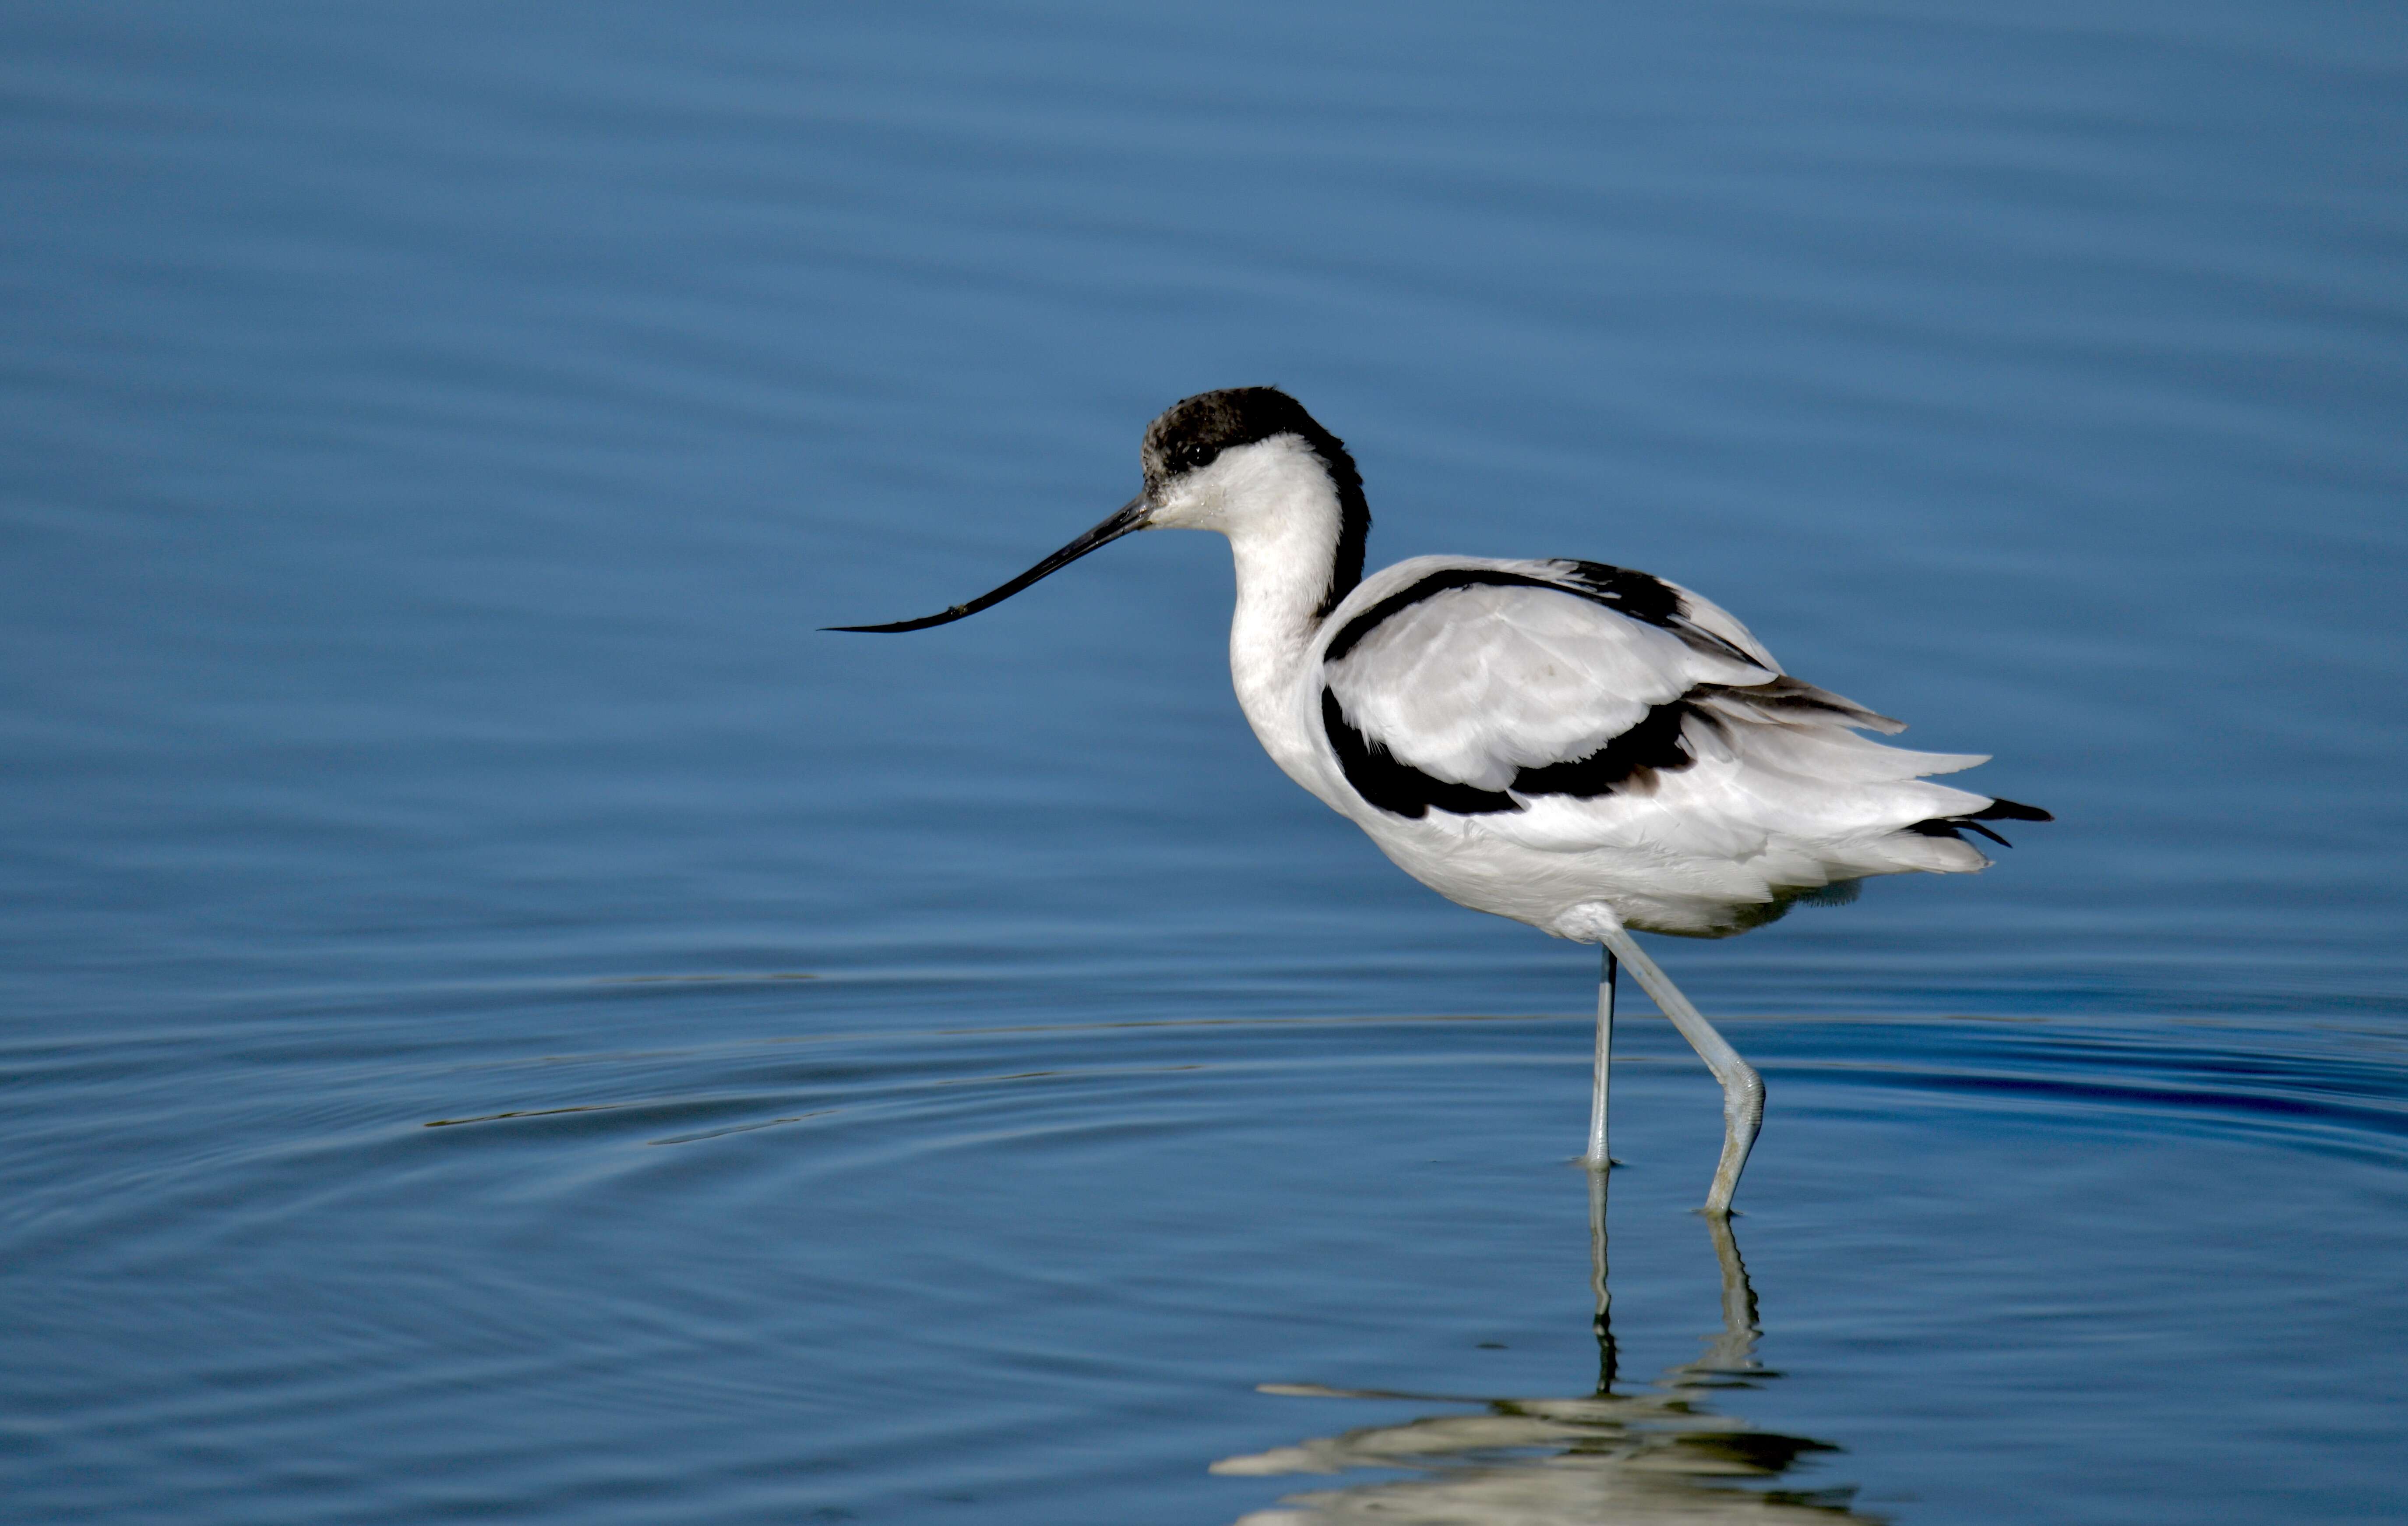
(1192, 433)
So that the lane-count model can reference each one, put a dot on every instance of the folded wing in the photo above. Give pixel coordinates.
(1576, 705)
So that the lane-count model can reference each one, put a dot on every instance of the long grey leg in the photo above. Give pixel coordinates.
(1742, 1089)
(1596, 1158)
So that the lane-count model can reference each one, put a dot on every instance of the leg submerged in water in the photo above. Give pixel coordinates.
(1596, 1158)
(1608, 1355)
(1742, 1089)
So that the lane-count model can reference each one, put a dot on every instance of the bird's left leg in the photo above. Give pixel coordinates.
(1742, 1089)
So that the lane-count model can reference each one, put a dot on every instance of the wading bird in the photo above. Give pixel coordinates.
(1581, 747)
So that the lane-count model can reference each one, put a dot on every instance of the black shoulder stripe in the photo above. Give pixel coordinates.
(1435, 583)
(1399, 787)
(1634, 593)
(1644, 597)
(1637, 595)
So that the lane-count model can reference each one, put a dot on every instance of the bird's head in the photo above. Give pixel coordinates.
(1208, 458)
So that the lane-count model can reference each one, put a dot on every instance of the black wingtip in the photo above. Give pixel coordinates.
(1956, 827)
(2010, 810)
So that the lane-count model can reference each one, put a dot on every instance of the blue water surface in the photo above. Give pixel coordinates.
(942, 1077)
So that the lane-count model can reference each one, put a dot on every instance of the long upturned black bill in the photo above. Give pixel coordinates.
(1129, 516)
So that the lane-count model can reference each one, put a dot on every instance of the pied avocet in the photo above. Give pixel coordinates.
(1581, 747)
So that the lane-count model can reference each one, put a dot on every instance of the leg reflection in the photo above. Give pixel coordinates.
(1732, 1354)
(1608, 1358)
(1656, 1453)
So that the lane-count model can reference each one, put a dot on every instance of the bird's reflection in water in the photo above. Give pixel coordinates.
(1648, 1454)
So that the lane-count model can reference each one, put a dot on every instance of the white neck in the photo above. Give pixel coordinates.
(1283, 520)
(1275, 501)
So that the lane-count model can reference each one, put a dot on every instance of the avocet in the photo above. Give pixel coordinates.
(1585, 748)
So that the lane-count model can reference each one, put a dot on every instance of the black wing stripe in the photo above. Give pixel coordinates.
(1644, 597)
(1634, 593)
(1629, 762)
(1633, 758)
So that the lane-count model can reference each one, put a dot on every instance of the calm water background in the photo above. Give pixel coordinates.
(432, 435)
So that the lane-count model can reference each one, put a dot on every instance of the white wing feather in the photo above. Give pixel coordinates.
(1474, 684)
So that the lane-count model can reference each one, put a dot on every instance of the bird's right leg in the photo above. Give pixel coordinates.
(1596, 1158)
(1742, 1089)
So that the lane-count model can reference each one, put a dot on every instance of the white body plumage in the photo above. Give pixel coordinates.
(1472, 684)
